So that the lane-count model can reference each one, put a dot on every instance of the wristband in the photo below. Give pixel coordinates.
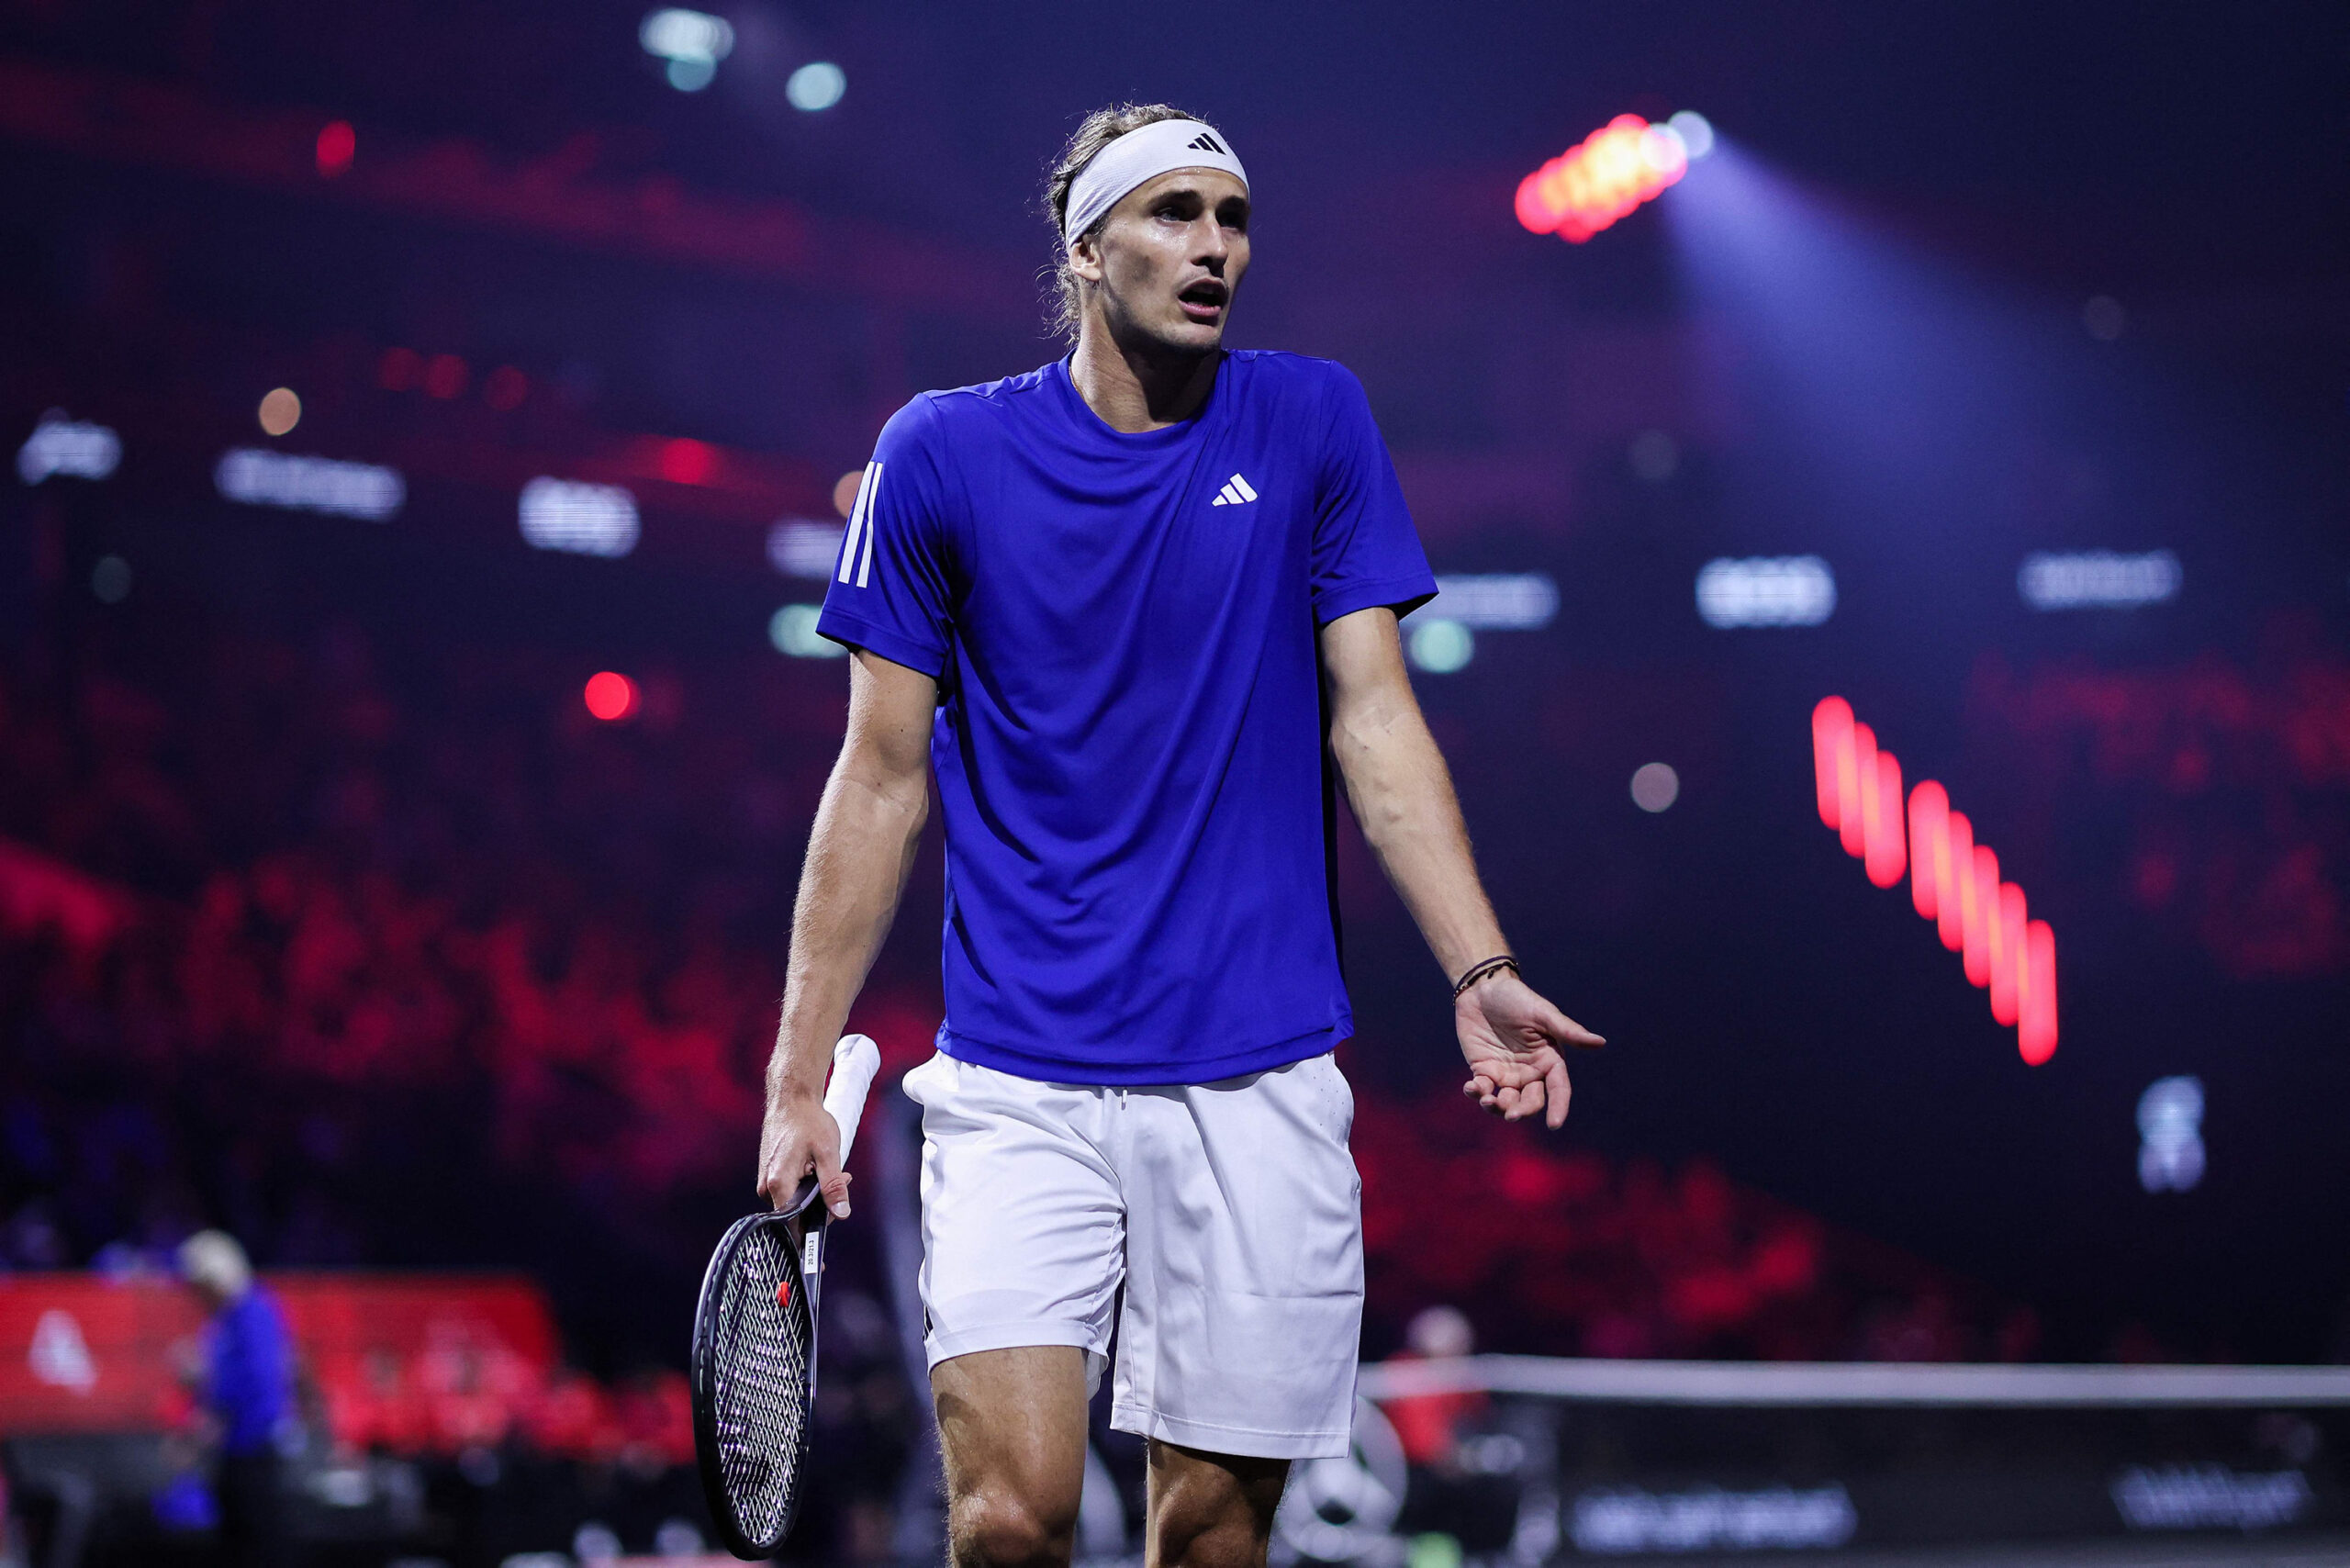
(1485, 970)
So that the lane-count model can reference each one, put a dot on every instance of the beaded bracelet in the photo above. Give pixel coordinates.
(1485, 970)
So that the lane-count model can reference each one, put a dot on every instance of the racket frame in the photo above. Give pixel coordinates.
(854, 1062)
(805, 1238)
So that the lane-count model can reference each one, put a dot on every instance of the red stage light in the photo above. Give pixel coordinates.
(1928, 846)
(611, 696)
(684, 461)
(399, 369)
(2036, 1030)
(1831, 731)
(1888, 853)
(1978, 898)
(1855, 771)
(505, 389)
(1950, 869)
(1953, 882)
(1582, 191)
(445, 376)
(2008, 961)
(338, 143)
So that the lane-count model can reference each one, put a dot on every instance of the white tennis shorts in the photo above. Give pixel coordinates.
(1230, 1212)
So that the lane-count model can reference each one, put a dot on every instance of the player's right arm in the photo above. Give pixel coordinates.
(868, 827)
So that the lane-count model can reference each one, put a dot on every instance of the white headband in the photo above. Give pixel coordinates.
(1139, 156)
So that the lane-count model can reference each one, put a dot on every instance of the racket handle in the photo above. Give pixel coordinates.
(855, 1061)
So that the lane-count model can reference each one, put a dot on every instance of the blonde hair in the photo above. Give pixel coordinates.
(1096, 132)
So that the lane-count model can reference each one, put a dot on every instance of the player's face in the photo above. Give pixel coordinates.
(1168, 261)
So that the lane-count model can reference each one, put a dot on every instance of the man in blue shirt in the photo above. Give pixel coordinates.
(248, 1391)
(1128, 610)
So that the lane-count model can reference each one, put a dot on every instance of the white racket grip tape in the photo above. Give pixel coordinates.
(855, 1061)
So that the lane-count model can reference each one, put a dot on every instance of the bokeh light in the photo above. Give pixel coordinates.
(578, 517)
(692, 42)
(445, 376)
(399, 370)
(1655, 786)
(688, 462)
(338, 144)
(1696, 132)
(1654, 455)
(1589, 187)
(611, 696)
(1441, 646)
(280, 411)
(61, 445)
(816, 86)
(792, 629)
(505, 389)
(802, 547)
(110, 579)
(2170, 1132)
(844, 490)
(2104, 318)
(1766, 590)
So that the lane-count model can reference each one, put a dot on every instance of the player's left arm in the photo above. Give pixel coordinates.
(1402, 796)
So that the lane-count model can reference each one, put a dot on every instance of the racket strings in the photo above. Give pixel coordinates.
(760, 1393)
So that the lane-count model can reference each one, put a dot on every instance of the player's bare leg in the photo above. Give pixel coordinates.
(1012, 1427)
(1210, 1510)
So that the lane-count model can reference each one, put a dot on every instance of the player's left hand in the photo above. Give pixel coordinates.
(1511, 1036)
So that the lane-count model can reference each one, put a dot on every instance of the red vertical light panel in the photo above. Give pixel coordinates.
(2036, 1026)
(1953, 874)
(2007, 953)
(1953, 882)
(1979, 896)
(1887, 855)
(1832, 742)
(337, 145)
(1929, 845)
(1855, 782)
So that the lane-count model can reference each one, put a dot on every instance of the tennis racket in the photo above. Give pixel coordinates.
(754, 1344)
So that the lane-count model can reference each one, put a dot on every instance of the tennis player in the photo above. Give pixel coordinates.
(1128, 608)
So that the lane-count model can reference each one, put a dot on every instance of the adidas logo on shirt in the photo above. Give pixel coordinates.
(1235, 492)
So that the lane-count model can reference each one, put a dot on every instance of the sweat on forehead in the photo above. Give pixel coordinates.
(1139, 157)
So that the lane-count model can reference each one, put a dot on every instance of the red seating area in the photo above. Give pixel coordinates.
(407, 1364)
(273, 922)
(1568, 1253)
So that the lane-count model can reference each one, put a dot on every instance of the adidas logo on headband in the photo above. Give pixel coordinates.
(1143, 153)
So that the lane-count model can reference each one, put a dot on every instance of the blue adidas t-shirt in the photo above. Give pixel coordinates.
(1129, 744)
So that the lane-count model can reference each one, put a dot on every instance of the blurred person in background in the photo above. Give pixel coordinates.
(1428, 1424)
(247, 1391)
(1129, 609)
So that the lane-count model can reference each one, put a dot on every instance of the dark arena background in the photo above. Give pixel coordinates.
(1886, 469)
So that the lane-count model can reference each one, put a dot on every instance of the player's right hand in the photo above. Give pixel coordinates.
(800, 1135)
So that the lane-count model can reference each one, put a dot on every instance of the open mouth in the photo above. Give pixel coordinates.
(1205, 300)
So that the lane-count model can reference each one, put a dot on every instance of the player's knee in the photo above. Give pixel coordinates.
(996, 1527)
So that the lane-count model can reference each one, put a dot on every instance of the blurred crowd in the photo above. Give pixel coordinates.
(1568, 1253)
(293, 930)
(2236, 778)
(387, 953)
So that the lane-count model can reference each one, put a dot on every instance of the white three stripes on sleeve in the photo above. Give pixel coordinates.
(860, 524)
